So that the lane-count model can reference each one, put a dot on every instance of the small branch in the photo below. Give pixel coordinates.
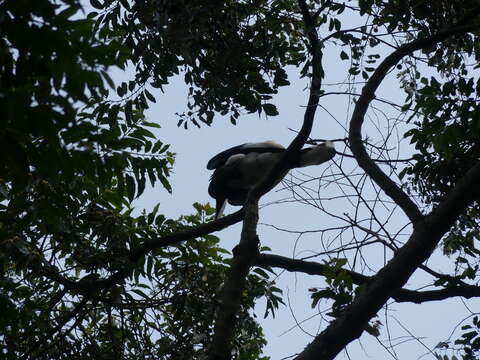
(417, 297)
(355, 30)
(392, 104)
(379, 160)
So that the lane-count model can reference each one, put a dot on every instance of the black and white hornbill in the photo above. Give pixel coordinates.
(240, 168)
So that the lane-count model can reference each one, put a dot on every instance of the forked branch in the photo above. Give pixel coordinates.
(428, 230)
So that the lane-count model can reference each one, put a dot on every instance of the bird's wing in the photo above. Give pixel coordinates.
(261, 147)
(221, 158)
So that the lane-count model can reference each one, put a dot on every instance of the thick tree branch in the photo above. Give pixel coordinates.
(307, 267)
(243, 257)
(427, 230)
(317, 74)
(191, 233)
(400, 295)
(247, 251)
(358, 148)
(368, 94)
(91, 287)
(417, 297)
(169, 240)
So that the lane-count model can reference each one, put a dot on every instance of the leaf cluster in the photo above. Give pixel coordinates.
(73, 159)
(232, 54)
(426, 17)
(163, 309)
(443, 105)
(339, 287)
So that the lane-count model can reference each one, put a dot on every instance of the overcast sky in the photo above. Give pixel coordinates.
(194, 147)
(432, 322)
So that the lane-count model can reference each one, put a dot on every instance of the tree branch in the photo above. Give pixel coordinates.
(92, 286)
(368, 94)
(400, 295)
(190, 233)
(417, 297)
(247, 250)
(427, 230)
(307, 267)
(243, 257)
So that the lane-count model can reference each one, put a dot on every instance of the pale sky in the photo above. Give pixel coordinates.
(432, 322)
(194, 147)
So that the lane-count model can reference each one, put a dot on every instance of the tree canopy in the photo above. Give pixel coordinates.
(85, 275)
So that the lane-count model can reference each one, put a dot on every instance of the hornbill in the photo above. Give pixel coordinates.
(240, 168)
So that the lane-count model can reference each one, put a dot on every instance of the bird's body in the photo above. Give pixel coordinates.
(240, 168)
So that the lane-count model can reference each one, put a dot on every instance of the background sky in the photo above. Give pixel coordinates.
(296, 323)
(431, 322)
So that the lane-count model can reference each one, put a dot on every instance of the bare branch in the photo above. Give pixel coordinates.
(417, 297)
